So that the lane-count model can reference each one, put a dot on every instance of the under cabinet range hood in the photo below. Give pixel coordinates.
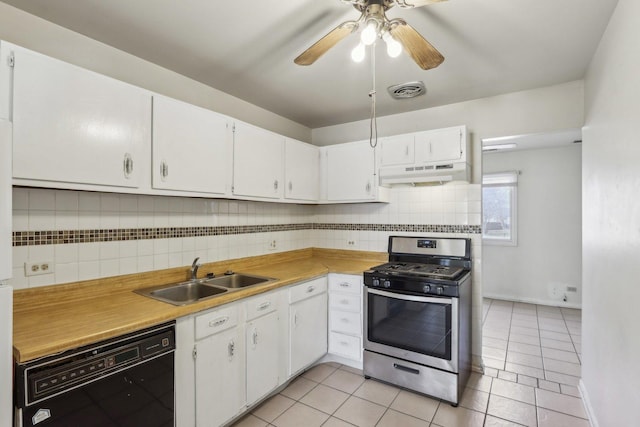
(435, 156)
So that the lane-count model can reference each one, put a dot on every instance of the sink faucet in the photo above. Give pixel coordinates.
(194, 269)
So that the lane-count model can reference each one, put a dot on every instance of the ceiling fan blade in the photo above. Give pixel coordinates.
(425, 55)
(416, 3)
(320, 47)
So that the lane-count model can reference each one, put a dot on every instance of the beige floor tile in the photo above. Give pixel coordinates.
(480, 382)
(474, 399)
(344, 381)
(560, 403)
(555, 336)
(415, 405)
(558, 345)
(491, 421)
(562, 367)
(352, 370)
(533, 350)
(549, 385)
(393, 418)
(377, 392)
(524, 339)
(548, 418)
(562, 378)
(524, 359)
(300, 415)
(527, 380)
(508, 376)
(325, 399)
(576, 338)
(360, 412)
(336, 422)
(298, 388)
(511, 390)
(491, 372)
(525, 331)
(273, 407)
(570, 390)
(512, 410)
(493, 363)
(495, 343)
(524, 370)
(500, 334)
(319, 372)
(250, 421)
(494, 353)
(566, 356)
(448, 416)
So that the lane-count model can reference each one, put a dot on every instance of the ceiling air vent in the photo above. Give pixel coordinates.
(407, 90)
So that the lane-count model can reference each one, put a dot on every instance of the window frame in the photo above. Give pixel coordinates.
(496, 180)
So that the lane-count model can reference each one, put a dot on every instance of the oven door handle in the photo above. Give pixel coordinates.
(395, 295)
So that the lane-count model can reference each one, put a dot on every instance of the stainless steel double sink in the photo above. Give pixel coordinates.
(192, 291)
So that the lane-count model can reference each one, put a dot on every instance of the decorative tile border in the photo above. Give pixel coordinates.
(58, 237)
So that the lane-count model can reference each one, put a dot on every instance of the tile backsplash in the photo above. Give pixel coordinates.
(87, 235)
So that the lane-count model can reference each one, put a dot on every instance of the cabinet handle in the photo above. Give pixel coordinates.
(218, 322)
(295, 319)
(310, 289)
(164, 170)
(231, 348)
(368, 187)
(275, 184)
(345, 285)
(264, 305)
(290, 186)
(255, 337)
(406, 150)
(127, 165)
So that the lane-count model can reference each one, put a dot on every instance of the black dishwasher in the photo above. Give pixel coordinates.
(124, 381)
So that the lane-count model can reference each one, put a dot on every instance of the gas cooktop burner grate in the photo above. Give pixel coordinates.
(418, 269)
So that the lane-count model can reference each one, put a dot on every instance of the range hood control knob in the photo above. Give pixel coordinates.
(387, 284)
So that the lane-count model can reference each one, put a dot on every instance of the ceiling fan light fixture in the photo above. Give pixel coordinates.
(370, 33)
(394, 48)
(358, 53)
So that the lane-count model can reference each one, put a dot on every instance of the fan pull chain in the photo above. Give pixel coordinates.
(373, 123)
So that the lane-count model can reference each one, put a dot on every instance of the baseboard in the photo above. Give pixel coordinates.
(587, 404)
(534, 301)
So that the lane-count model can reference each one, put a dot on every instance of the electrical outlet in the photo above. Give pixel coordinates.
(38, 268)
(273, 244)
(351, 243)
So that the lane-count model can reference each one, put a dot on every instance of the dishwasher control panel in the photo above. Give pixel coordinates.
(53, 375)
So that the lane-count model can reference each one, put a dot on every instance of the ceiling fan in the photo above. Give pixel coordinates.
(395, 32)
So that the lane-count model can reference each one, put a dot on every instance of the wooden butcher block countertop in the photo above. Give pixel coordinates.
(53, 319)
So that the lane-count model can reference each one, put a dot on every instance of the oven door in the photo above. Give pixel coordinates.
(419, 329)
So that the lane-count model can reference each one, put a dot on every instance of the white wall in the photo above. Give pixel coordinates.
(33, 33)
(611, 224)
(549, 229)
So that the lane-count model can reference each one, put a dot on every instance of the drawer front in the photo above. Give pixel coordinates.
(216, 321)
(345, 283)
(345, 302)
(261, 305)
(345, 345)
(307, 289)
(346, 322)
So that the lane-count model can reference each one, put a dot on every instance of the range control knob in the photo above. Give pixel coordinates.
(426, 289)
(375, 281)
(387, 284)
(440, 290)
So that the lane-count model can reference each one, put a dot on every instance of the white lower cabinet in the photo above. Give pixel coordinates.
(262, 340)
(219, 366)
(307, 323)
(345, 316)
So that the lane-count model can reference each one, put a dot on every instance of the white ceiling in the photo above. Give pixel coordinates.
(246, 48)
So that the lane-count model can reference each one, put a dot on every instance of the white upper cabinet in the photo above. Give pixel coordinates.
(302, 171)
(397, 150)
(191, 147)
(75, 126)
(257, 162)
(440, 145)
(350, 172)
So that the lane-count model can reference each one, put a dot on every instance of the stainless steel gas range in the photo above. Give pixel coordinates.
(417, 321)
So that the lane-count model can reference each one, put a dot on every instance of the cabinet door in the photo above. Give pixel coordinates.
(350, 171)
(190, 147)
(439, 145)
(262, 356)
(302, 166)
(397, 150)
(257, 162)
(308, 331)
(219, 377)
(5, 200)
(76, 126)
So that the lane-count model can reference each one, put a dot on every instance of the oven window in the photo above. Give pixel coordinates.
(421, 327)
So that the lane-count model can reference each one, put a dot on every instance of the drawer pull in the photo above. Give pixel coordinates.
(406, 369)
(310, 289)
(218, 322)
(345, 285)
(264, 305)
(344, 320)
